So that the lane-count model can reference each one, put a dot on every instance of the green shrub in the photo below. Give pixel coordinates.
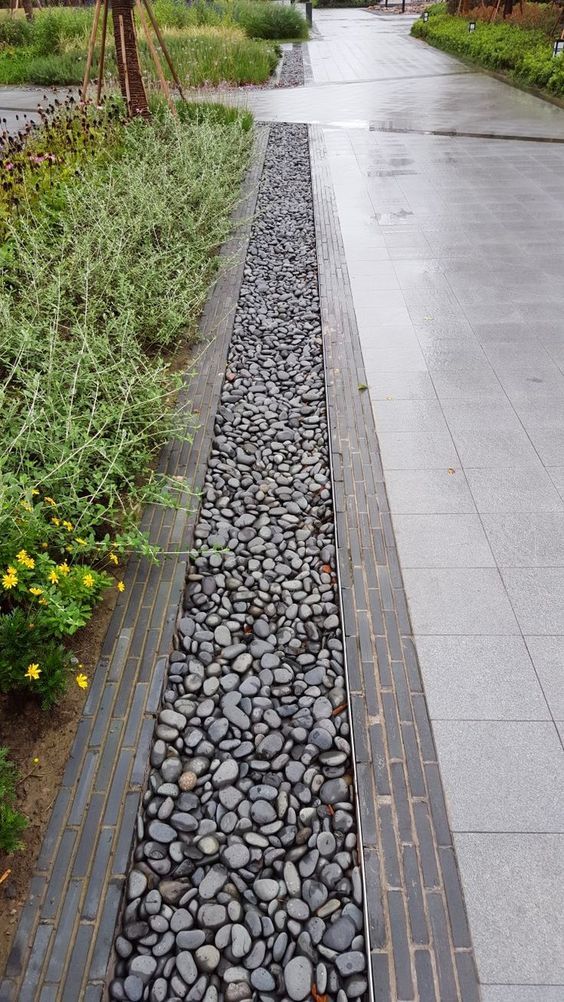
(15, 31)
(12, 823)
(29, 663)
(270, 20)
(526, 54)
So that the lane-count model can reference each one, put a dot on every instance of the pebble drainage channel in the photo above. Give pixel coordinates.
(245, 881)
(292, 71)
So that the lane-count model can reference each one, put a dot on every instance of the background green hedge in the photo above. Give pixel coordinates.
(524, 53)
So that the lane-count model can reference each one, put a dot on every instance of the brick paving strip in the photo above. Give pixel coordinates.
(420, 945)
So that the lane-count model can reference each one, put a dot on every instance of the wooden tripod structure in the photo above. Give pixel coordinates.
(147, 18)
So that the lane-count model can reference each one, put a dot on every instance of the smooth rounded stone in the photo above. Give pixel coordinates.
(241, 942)
(315, 894)
(212, 916)
(350, 963)
(262, 812)
(242, 662)
(190, 939)
(262, 980)
(213, 882)
(136, 884)
(237, 991)
(143, 967)
(181, 920)
(226, 774)
(297, 909)
(262, 791)
(326, 843)
(234, 714)
(124, 948)
(187, 781)
(236, 855)
(331, 623)
(222, 636)
(330, 906)
(159, 991)
(230, 797)
(172, 719)
(266, 889)
(298, 978)
(321, 978)
(133, 987)
(356, 986)
(334, 791)
(231, 975)
(186, 967)
(256, 957)
(164, 945)
(292, 879)
(280, 946)
(321, 738)
(207, 958)
(340, 934)
(208, 845)
(183, 822)
(271, 744)
(158, 754)
(161, 832)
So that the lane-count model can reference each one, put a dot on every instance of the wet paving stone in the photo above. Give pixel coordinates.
(245, 881)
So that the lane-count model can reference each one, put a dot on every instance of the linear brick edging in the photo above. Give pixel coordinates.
(419, 936)
(64, 941)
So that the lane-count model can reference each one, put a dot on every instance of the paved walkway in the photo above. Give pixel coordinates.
(455, 255)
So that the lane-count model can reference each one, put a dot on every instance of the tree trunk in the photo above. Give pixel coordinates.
(131, 81)
(28, 8)
(508, 8)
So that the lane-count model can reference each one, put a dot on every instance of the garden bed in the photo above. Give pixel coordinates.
(106, 263)
(225, 42)
(520, 51)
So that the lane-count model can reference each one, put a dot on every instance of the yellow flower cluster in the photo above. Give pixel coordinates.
(25, 560)
(10, 578)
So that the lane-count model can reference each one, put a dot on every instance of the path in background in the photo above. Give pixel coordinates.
(454, 251)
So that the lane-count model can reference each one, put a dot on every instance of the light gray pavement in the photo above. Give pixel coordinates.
(455, 254)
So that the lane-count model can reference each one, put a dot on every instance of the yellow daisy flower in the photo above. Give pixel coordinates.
(88, 581)
(53, 577)
(10, 578)
(68, 525)
(33, 672)
(82, 681)
(113, 558)
(81, 542)
(63, 569)
(120, 586)
(36, 591)
(50, 501)
(55, 520)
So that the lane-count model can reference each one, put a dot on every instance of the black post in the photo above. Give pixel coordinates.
(309, 12)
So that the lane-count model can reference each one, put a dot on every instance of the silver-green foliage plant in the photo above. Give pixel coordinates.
(96, 291)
